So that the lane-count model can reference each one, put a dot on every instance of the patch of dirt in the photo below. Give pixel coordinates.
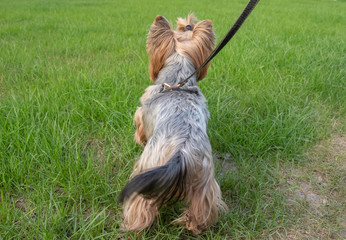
(224, 164)
(21, 204)
(315, 193)
(96, 146)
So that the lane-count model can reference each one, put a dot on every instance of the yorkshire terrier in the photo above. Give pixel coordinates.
(176, 163)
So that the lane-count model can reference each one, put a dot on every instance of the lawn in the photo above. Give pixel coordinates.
(72, 73)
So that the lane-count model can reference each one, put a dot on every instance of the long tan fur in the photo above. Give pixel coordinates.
(160, 45)
(140, 130)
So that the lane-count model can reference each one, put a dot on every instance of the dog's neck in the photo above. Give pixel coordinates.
(176, 68)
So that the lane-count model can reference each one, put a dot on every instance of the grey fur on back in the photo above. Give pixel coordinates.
(177, 119)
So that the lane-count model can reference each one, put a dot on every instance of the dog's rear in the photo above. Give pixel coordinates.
(161, 183)
(177, 160)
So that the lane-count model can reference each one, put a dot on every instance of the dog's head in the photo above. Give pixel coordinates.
(195, 41)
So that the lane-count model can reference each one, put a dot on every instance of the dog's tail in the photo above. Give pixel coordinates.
(161, 184)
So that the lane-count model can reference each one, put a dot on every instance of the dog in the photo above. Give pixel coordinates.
(176, 163)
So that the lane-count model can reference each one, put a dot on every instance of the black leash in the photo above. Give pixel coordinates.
(246, 12)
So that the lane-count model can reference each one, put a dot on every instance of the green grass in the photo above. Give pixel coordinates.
(72, 73)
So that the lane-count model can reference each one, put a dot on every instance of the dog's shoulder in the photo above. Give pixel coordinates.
(150, 92)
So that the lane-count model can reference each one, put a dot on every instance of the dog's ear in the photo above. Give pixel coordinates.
(204, 39)
(160, 45)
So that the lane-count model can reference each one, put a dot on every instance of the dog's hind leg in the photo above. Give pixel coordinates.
(139, 213)
(202, 211)
(204, 204)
